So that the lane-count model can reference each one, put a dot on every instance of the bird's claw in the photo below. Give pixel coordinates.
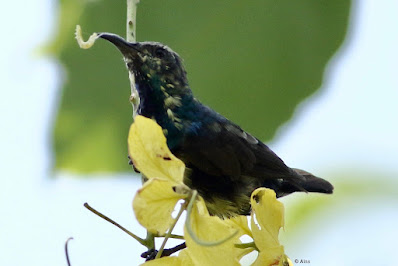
(150, 254)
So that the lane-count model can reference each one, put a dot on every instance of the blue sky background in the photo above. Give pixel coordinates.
(349, 126)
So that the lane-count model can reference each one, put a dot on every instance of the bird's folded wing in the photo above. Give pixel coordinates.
(232, 152)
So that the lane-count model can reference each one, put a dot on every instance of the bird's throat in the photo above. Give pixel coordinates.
(165, 109)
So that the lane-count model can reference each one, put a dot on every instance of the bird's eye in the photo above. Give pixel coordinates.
(160, 53)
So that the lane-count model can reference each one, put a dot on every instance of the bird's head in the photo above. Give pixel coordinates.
(154, 65)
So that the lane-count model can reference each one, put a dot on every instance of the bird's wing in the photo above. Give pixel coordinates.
(224, 149)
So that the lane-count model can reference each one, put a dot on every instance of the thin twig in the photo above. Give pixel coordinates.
(176, 236)
(171, 236)
(66, 250)
(142, 241)
(168, 234)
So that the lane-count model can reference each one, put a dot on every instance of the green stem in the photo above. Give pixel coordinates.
(176, 236)
(144, 242)
(246, 245)
(168, 234)
(150, 240)
(171, 236)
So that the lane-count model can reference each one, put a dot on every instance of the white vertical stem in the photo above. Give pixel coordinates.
(131, 37)
(134, 97)
(131, 20)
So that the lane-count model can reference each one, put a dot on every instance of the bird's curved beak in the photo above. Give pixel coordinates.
(128, 49)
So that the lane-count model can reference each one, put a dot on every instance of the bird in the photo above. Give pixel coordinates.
(224, 163)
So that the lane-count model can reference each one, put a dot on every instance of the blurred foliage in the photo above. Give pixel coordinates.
(353, 191)
(251, 62)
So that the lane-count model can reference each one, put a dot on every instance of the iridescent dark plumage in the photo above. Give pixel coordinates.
(224, 163)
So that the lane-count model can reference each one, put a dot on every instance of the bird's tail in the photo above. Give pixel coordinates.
(305, 182)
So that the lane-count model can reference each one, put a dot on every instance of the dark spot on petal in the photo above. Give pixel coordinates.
(256, 198)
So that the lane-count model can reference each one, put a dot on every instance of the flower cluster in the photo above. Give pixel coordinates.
(209, 239)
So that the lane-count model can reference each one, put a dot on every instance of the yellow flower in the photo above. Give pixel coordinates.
(168, 261)
(267, 219)
(211, 229)
(154, 203)
(156, 200)
(150, 154)
(207, 228)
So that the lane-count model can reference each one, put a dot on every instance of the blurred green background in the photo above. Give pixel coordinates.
(252, 63)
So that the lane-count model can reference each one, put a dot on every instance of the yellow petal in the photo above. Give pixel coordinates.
(164, 261)
(241, 223)
(211, 229)
(272, 256)
(183, 259)
(269, 213)
(154, 203)
(149, 151)
(243, 252)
